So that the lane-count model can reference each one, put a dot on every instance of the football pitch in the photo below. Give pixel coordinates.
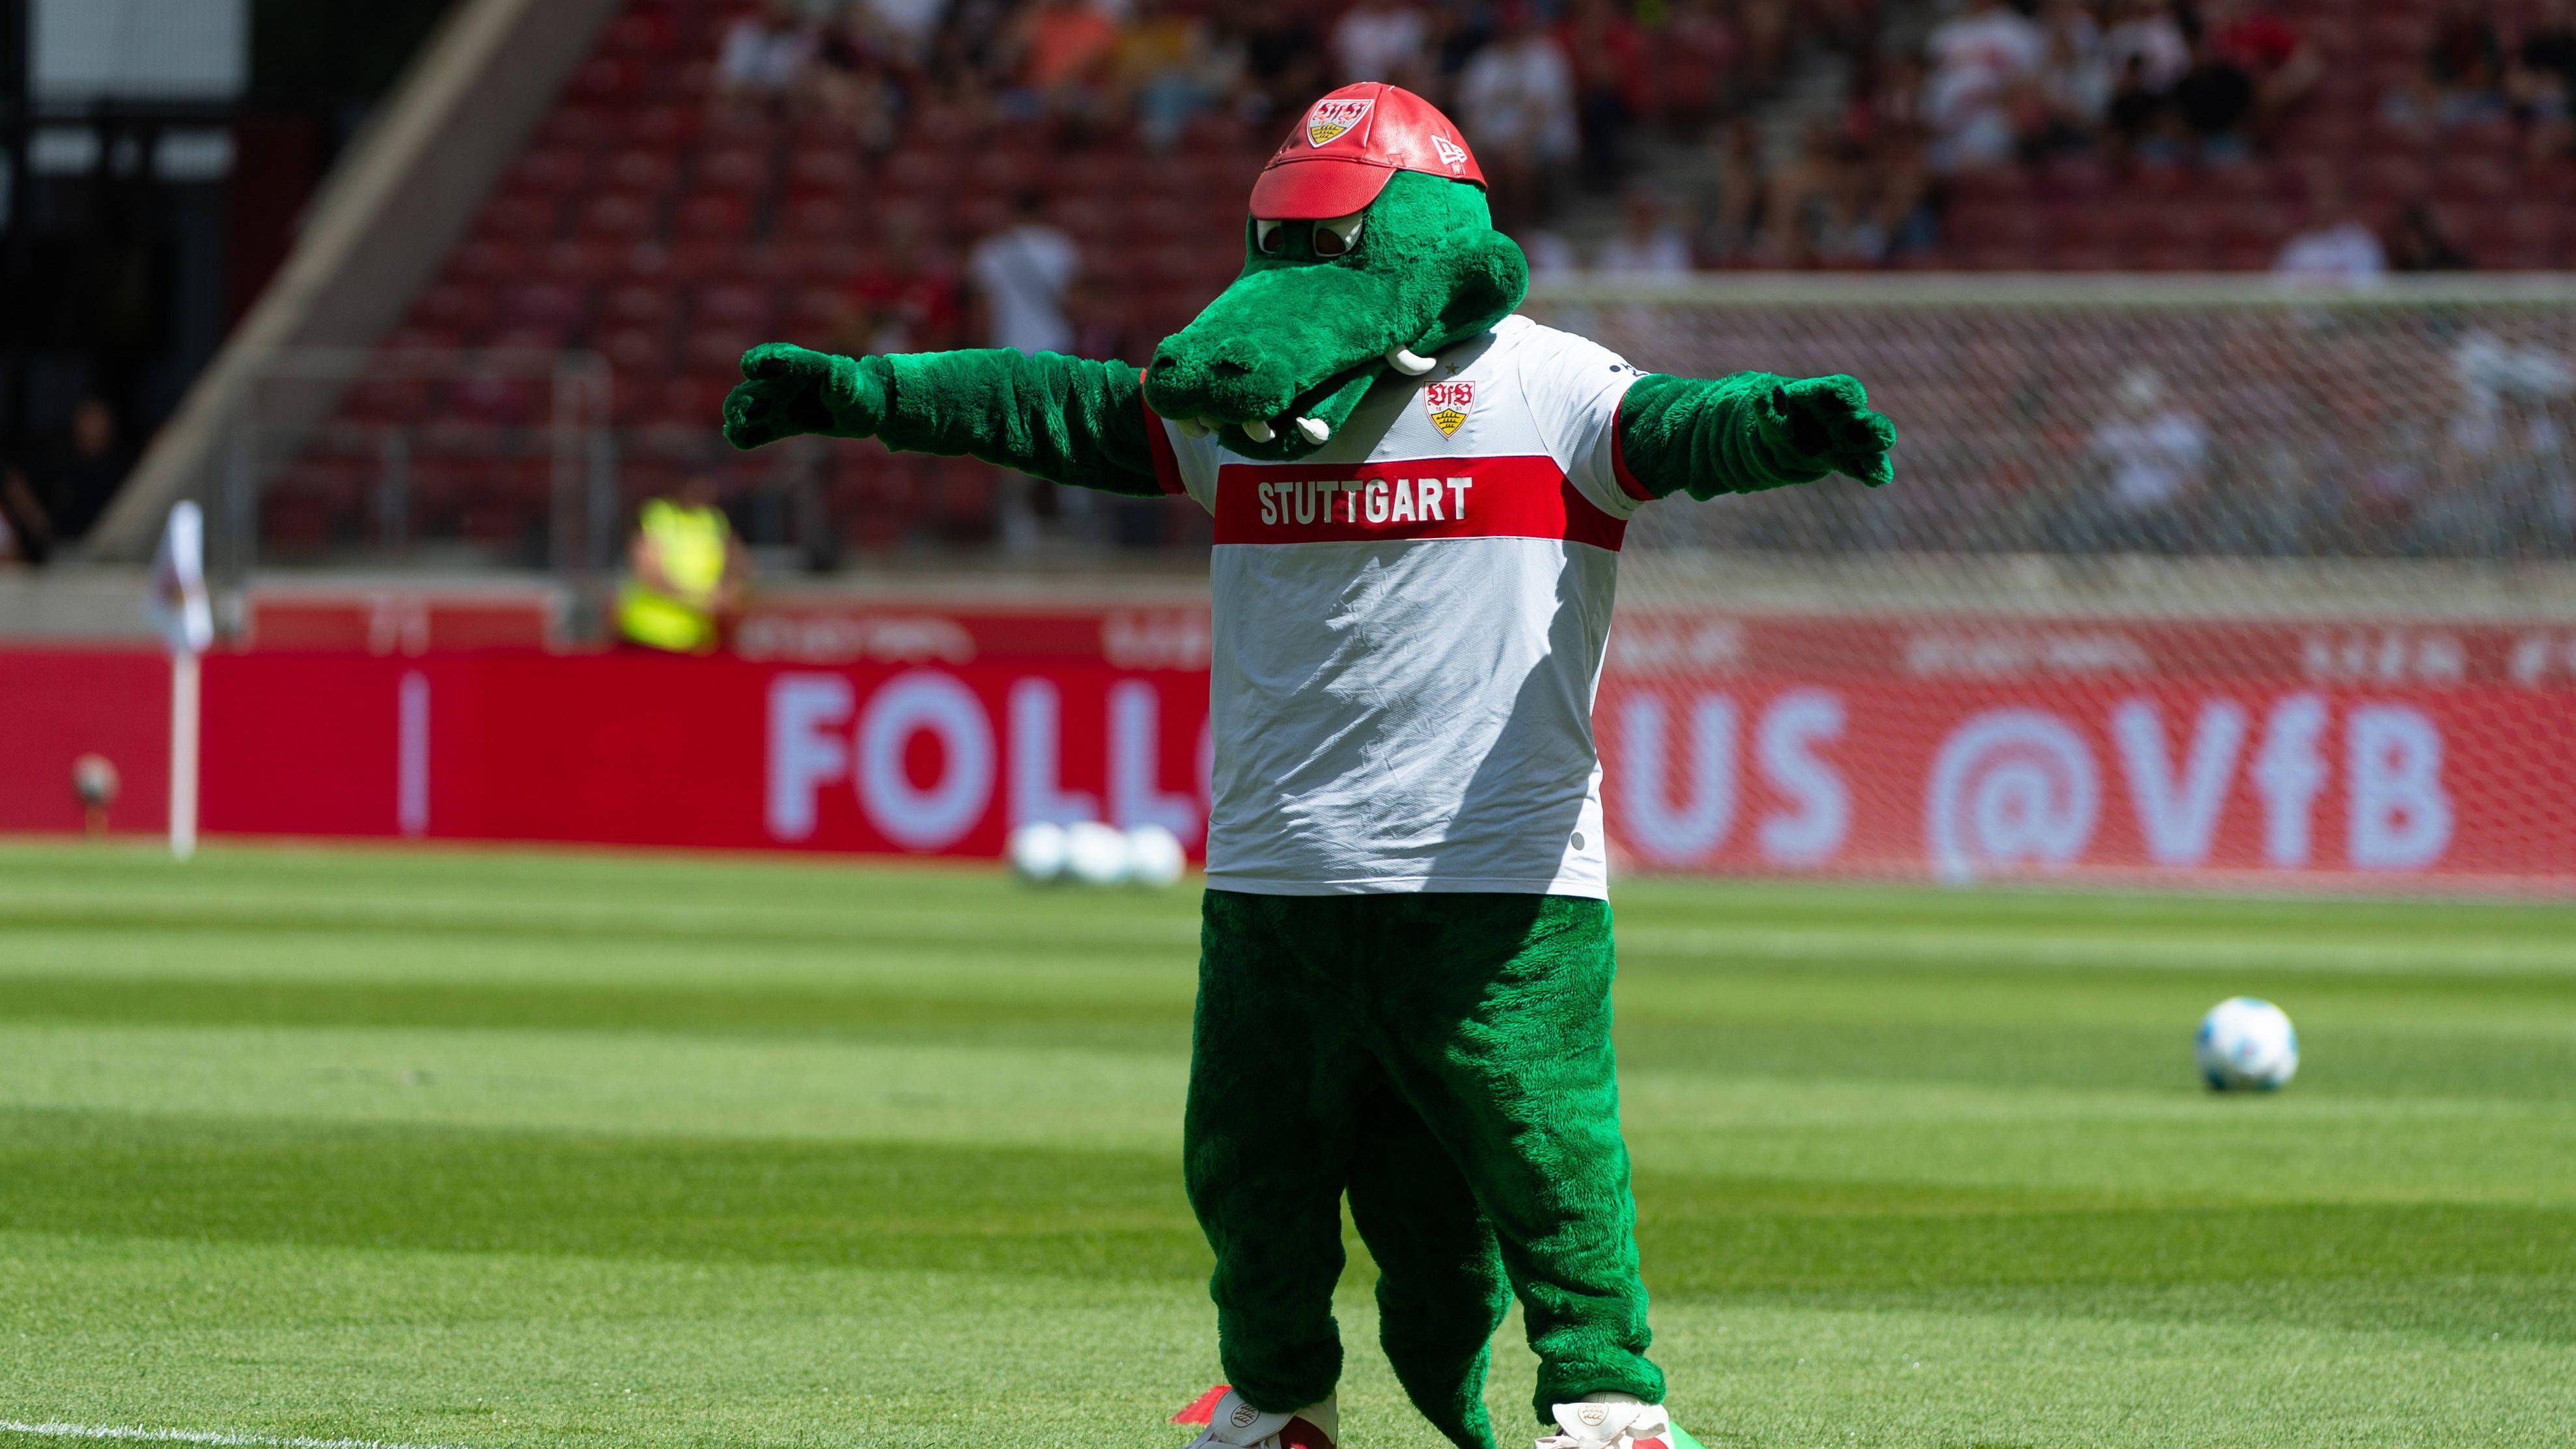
(481, 1149)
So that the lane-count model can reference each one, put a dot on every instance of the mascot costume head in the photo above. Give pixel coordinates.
(1369, 248)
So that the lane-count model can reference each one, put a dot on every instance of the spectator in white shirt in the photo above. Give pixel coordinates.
(2148, 31)
(765, 54)
(1979, 61)
(1381, 40)
(2155, 453)
(2337, 248)
(1516, 99)
(1022, 275)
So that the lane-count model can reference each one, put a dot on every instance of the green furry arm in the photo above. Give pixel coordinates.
(1748, 432)
(1063, 419)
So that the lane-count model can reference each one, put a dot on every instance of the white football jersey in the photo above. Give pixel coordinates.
(1409, 626)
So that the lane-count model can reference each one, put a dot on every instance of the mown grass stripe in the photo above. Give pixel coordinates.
(56, 1430)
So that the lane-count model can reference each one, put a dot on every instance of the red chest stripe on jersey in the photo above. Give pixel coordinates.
(1524, 497)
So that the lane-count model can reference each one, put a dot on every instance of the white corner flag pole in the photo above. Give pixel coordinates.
(183, 753)
(178, 608)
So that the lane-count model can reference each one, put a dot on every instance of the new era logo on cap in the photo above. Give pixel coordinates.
(1347, 144)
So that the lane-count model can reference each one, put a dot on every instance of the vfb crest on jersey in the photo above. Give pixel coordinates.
(1448, 403)
(1333, 118)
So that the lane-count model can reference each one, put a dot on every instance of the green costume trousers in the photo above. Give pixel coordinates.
(1444, 1060)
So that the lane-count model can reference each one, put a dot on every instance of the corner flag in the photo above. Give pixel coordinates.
(178, 609)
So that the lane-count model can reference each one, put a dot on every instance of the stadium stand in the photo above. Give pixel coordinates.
(718, 173)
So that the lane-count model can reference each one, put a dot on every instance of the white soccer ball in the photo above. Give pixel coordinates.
(1155, 857)
(1095, 854)
(2246, 1043)
(1037, 852)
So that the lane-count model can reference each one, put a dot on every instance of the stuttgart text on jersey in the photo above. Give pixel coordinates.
(1404, 499)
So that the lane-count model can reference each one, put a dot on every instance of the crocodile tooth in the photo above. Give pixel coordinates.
(1191, 427)
(1407, 361)
(1258, 432)
(1315, 430)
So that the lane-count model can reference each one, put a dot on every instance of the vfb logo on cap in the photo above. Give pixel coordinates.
(1332, 118)
(1448, 403)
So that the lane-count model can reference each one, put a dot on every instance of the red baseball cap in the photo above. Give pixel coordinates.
(1348, 144)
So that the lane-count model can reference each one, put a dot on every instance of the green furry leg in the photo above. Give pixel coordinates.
(1445, 1059)
(1265, 1140)
(1441, 1291)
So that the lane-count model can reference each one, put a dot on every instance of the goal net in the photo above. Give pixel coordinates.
(2204, 580)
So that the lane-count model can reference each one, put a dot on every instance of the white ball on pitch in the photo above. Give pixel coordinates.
(1095, 854)
(1036, 851)
(1155, 857)
(2246, 1043)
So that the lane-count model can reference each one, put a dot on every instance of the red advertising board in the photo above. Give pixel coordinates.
(645, 749)
(59, 704)
(2236, 775)
(2194, 782)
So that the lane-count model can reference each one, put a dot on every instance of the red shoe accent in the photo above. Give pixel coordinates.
(1301, 1435)
(1202, 1408)
(1651, 1444)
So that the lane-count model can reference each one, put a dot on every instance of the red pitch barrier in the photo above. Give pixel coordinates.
(2336, 758)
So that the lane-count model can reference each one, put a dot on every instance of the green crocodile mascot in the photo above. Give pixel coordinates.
(1405, 968)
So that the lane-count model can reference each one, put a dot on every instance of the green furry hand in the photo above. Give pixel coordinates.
(787, 390)
(1750, 431)
(1828, 419)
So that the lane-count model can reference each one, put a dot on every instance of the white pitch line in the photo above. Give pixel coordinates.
(197, 1436)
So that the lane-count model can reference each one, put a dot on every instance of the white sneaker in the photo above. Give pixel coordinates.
(1616, 1426)
(1234, 1424)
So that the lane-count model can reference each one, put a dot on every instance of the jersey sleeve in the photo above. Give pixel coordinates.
(1182, 464)
(1574, 386)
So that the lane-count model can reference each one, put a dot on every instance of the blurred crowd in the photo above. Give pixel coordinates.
(1556, 98)
(1715, 132)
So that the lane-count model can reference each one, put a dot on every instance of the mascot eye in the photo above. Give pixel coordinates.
(1333, 238)
(1265, 235)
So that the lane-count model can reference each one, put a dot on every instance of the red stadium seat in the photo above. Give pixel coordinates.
(637, 304)
(388, 397)
(609, 82)
(546, 307)
(739, 126)
(734, 306)
(820, 171)
(712, 217)
(636, 351)
(555, 170)
(578, 127)
(578, 260)
(640, 32)
(2474, 177)
(2392, 177)
(817, 217)
(717, 351)
(641, 171)
(690, 80)
(815, 311)
(616, 217)
(824, 261)
(459, 307)
(663, 127)
(737, 170)
(518, 218)
(483, 259)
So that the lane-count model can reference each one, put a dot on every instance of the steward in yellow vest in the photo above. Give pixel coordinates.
(687, 570)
